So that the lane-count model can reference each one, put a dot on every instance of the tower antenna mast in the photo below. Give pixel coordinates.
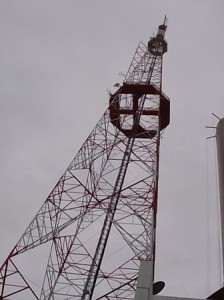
(100, 217)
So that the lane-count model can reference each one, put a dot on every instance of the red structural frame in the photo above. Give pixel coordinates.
(99, 219)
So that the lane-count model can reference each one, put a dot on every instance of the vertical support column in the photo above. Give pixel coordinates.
(145, 281)
(220, 156)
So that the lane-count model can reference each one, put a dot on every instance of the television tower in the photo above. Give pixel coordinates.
(100, 217)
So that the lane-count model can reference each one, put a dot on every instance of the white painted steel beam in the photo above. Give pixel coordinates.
(220, 156)
(145, 281)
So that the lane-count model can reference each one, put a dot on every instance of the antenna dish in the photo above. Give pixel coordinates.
(158, 287)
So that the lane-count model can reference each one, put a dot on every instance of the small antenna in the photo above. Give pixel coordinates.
(216, 116)
(109, 92)
(211, 137)
(212, 127)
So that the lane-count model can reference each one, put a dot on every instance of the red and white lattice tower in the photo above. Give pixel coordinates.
(100, 216)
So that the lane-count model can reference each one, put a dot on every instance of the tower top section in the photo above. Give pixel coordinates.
(158, 45)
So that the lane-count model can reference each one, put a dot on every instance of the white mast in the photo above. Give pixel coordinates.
(220, 156)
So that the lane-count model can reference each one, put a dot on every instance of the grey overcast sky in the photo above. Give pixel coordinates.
(57, 60)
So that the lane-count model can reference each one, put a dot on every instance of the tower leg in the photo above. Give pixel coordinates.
(145, 281)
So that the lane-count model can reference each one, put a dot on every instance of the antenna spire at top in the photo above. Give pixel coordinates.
(158, 45)
(165, 21)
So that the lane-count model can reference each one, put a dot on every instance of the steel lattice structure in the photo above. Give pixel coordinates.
(100, 216)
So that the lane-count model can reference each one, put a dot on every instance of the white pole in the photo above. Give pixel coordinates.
(220, 156)
(145, 281)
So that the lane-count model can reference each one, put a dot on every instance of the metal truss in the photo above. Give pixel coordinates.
(100, 216)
